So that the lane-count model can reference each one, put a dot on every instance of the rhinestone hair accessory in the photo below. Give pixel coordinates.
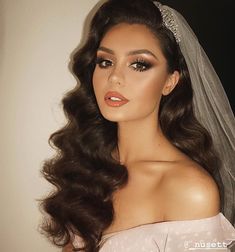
(168, 20)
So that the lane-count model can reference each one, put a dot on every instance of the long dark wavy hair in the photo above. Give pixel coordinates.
(83, 171)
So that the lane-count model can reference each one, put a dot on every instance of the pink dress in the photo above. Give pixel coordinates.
(215, 233)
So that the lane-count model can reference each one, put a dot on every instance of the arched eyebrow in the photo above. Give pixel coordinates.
(134, 52)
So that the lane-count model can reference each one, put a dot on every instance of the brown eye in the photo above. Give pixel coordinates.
(141, 65)
(103, 63)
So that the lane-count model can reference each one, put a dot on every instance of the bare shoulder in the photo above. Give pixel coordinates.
(190, 192)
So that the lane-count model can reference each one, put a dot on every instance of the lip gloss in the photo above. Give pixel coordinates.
(115, 103)
(115, 99)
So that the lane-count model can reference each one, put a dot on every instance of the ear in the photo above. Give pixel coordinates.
(171, 83)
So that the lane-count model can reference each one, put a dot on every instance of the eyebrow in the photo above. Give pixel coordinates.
(134, 52)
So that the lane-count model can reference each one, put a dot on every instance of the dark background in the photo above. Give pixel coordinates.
(212, 22)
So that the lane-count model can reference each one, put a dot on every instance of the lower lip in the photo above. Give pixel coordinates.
(115, 103)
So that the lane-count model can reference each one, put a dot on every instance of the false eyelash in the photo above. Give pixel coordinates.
(144, 63)
(99, 60)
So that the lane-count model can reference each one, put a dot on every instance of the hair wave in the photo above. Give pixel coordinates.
(83, 171)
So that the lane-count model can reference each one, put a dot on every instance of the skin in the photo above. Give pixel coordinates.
(156, 168)
(143, 89)
(164, 184)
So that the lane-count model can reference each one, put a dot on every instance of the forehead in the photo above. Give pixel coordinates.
(127, 37)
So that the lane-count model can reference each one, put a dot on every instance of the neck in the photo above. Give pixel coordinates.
(139, 139)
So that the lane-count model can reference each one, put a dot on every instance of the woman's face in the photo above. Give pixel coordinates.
(130, 74)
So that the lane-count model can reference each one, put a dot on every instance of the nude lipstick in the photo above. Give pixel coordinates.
(115, 99)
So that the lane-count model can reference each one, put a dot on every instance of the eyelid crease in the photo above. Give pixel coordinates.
(138, 59)
(102, 57)
(142, 60)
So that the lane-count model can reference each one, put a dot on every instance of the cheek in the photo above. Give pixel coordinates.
(148, 89)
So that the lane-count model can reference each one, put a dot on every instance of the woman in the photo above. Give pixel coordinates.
(137, 169)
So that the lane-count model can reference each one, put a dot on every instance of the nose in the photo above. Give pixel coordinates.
(116, 77)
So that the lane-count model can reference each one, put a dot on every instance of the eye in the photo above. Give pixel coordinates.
(141, 65)
(103, 63)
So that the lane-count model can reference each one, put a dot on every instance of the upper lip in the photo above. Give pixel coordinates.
(114, 94)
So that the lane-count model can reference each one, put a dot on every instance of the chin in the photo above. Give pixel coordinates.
(114, 117)
(119, 117)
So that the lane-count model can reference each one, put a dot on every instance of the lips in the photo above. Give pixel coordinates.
(115, 99)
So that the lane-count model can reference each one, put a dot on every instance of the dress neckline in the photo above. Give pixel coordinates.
(162, 223)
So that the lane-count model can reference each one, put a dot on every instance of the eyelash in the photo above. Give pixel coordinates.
(140, 61)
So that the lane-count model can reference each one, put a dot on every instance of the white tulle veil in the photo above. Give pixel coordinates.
(211, 104)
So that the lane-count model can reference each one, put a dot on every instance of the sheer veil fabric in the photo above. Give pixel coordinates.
(211, 105)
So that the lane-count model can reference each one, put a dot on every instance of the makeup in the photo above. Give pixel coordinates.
(115, 99)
